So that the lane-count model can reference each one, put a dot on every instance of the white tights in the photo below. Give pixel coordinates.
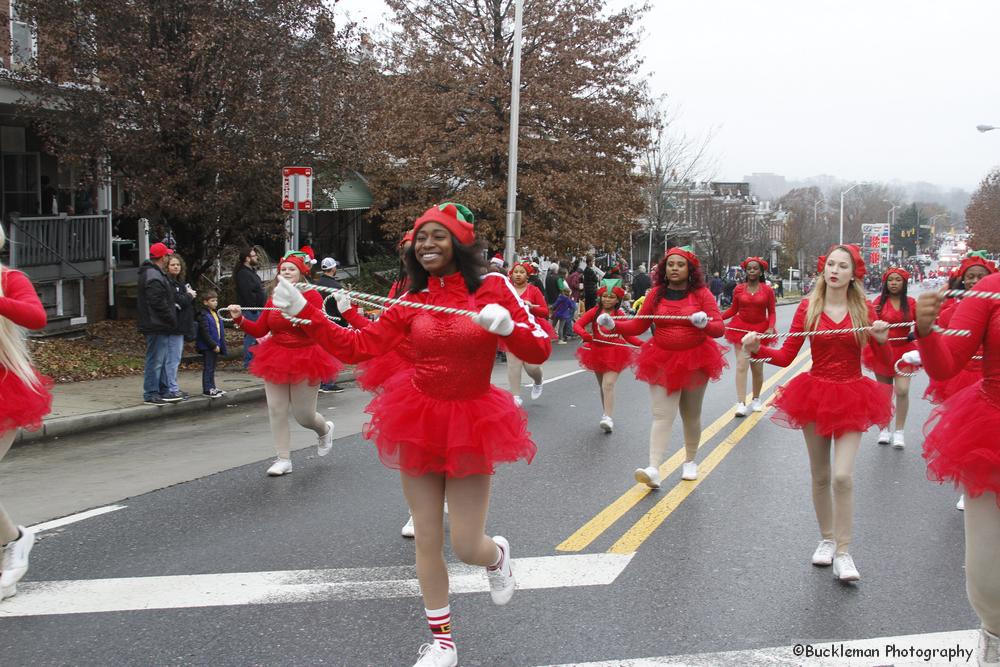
(665, 409)
(833, 487)
(299, 400)
(514, 366)
(606, 381)
(8, 529)
(982, 544)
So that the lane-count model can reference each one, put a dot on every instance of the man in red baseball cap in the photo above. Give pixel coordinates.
(157, 320)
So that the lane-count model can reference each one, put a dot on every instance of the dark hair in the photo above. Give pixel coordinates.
(207, 294)
(242, 258)
(904, 307)
(696, 279)
(468, 259)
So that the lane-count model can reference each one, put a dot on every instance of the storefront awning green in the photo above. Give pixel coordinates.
(352, 195)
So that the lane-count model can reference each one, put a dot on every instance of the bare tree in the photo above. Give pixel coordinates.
(982, 216)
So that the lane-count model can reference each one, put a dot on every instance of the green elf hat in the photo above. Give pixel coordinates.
(611, 283)
(464, 214)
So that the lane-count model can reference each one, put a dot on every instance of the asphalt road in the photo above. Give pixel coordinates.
(718, 565)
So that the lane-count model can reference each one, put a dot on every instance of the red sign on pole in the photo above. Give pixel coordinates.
(296, 188)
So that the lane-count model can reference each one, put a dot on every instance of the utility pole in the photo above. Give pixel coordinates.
(515, 117)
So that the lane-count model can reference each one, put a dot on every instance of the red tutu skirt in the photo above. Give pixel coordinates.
(939, 391)
(419, 434)
(877, 366)
(961, 442)
(22, 406)
(680, 369)
(737, 336)
(834, 407)
(601, 358)
(374, 373)
(279, 364)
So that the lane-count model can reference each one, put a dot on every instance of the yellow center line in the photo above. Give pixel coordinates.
(644, 527)
(591, 530)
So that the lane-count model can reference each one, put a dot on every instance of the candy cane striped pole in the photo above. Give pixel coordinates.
(386, 301)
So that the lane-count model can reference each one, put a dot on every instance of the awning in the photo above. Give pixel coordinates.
(352, 195)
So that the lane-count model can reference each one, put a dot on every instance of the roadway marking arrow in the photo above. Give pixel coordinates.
(282, 587)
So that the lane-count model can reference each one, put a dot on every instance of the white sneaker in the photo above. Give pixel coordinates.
(960, 505)
(756, 405)
(436, 655)
(649, 476)
(518, 402)
(897, 440)
(408, 529)
(689, 471)
(15, 562)
(741, 409)
(536, 391)
(989, 649)
(844, 569)
(502, 582)
(884, 437)
(280, 467)
(823, 555)
(325, 443)
(607, 424)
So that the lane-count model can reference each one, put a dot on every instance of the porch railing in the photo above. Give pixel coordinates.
(62, 239)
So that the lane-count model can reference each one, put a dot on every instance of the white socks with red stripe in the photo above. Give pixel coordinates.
(439, 621)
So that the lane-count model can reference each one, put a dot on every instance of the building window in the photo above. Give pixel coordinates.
(23, 40)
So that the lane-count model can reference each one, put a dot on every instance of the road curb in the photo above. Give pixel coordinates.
(59, 427)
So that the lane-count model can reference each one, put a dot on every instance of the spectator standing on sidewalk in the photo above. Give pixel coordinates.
(575, 280)
(552, 284)
(249, 294)
(591, 280)
(185, 330)
(328, 278)
(715, 286)
(157, 314)
(641, 282)
(211, 342)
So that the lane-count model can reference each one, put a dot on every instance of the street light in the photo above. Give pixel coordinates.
(986, 128)
(890, 217)
(842, 193)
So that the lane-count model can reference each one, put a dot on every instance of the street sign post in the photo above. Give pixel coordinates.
(296, 195)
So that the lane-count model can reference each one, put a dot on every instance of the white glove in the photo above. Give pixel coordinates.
(343, 302)
(287, 298)
(912, 358)
(605, 321)
(699, 319)
(495, 319)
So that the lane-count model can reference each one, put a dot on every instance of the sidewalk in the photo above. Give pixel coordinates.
(95, 404)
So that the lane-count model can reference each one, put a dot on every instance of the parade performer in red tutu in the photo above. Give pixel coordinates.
(445, 427)
(973, 268)
(24, 400)
(833, 401)
(961, 443)
(607, 354)
(680, 358)
(535, 300)
(895, 307)
(292, 367)
(753, 309)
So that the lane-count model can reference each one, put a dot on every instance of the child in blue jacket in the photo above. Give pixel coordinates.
(211, 342)
(563, 311)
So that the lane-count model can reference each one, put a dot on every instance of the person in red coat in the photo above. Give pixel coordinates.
(895, 307)
(753, 309)
(24, 400)
(605, 354)
(535, 300)
(833, 404)
(292, 367)
(680, 358)
(961, 443)
(445, 427)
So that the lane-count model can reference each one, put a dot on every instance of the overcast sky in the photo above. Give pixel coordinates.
(860, 89)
